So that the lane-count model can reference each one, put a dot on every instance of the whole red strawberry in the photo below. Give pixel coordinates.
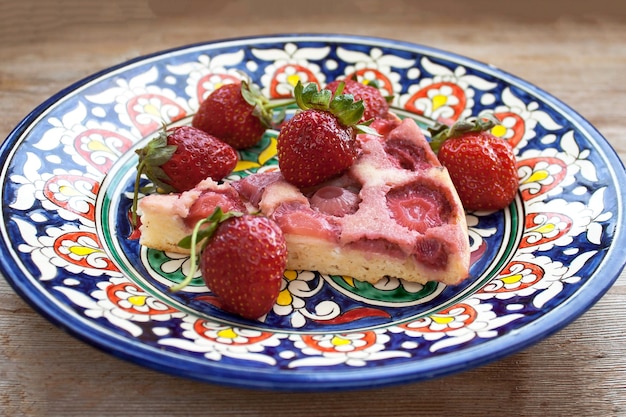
(319, 142)
(376, 105)
(482, 166)
(236, 113)
(179, 158)
(242, 261)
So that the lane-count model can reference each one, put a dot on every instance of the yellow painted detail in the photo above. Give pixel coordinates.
(348, 280)
(340, 341)
(512, 279)
(243, 165)
(284, 298)
(269, 152)
(546, 228)
(293, 79)
(83, 250)
(95, 145)
(290, 274)
(137, 300)
(439, 101)
(499, 131)
(151, 109)
(69, 190)
(538, 176)
(227, 334)
(442, 319)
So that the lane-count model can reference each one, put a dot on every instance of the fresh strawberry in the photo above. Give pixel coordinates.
(179, 158)
(376, 105)
(243, 258)
(319, 142)
(236, 113)
(482, 166)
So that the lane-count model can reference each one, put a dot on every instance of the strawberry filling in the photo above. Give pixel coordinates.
(419, 206)
(431, 252)
(252, 187)
(386, 125)
(298, 219)
(335, 201)
(378, 246)
(406, 155)
(209, 200)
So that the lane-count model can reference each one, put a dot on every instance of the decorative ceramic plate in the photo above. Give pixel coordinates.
(68, 248)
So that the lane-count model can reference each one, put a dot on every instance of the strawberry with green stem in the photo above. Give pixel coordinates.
(242, 260)
(482, 166)
(319, 142)
(238, 114)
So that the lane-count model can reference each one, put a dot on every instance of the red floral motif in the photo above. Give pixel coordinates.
(541, 228)
(302, 73)
(83, 249)
(440, 322)
(457, 92)
(540, 180)
(129, 297)
(65, 191)
(101, 147)
(212, 81)
(384, 84)
(323, 344)
(148, 117)
(518, 128)
(208, 331)
(517, 276)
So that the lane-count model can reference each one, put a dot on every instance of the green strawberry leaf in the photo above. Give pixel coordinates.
(365, 128)
(342, 106)
(308, 97)
(346, 109)
(157, 151)
(442, 132)
(253, 96)
(263, 108)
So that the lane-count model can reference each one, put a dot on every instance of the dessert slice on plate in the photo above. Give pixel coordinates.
(394, 212)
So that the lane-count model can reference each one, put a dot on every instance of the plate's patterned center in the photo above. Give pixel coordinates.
(66, 192)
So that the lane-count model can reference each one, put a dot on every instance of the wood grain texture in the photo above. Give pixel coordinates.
(577, 53)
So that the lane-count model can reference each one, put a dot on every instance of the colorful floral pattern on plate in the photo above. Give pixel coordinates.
(69, 249)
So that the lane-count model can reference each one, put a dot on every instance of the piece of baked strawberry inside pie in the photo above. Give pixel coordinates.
(394, 213)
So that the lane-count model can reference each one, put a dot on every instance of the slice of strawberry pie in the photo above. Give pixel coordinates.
(394, 212)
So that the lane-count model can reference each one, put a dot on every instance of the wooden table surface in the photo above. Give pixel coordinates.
(574, 50)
